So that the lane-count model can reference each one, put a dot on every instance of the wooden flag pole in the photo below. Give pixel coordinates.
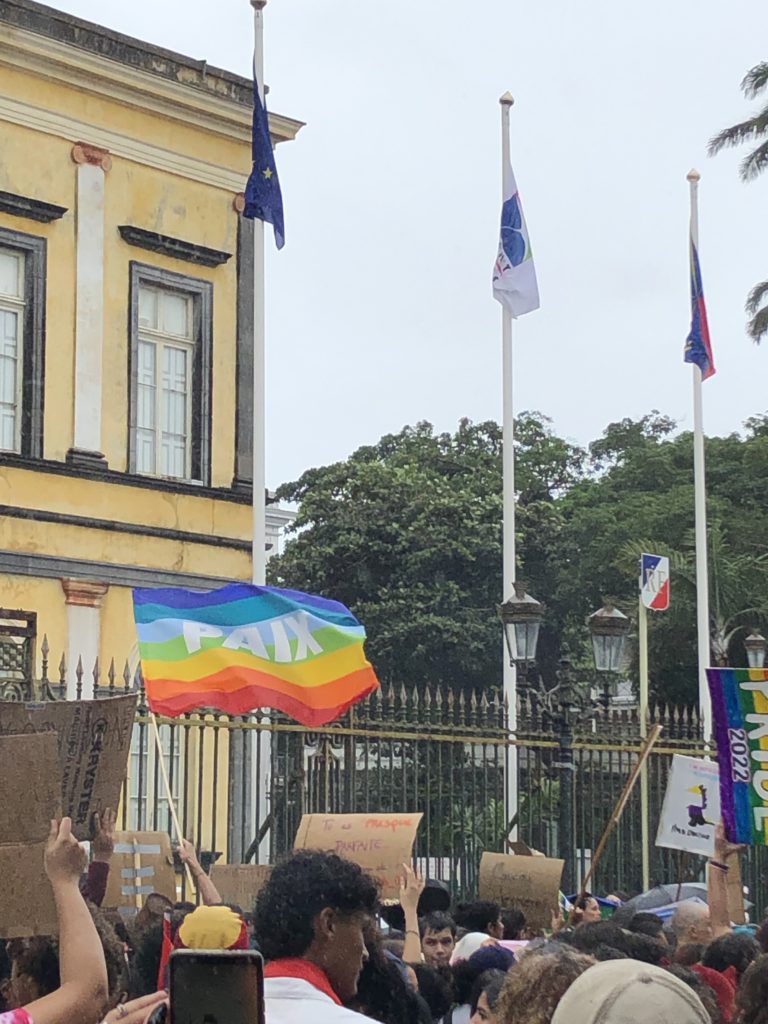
(621, 803)
(169, 796)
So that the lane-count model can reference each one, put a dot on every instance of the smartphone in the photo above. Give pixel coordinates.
(216, 987)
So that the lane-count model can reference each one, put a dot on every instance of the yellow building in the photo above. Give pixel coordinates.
(126, 327)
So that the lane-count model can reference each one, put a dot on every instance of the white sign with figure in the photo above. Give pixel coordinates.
(691, 807)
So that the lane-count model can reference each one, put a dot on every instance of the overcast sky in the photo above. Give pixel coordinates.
(379, 306)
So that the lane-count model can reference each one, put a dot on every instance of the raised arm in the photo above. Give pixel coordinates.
(717, 883)
(209, 894)
(83, 993)
(94, 888)
(411, 888)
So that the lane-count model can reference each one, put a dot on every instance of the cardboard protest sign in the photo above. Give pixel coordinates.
(530, 883)
(691, 807)
(380, 843)
(94, 740)
(141, 864)
(240, 883)
(29, 767)
(735, 890)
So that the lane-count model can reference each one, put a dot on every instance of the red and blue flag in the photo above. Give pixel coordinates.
(698, 347)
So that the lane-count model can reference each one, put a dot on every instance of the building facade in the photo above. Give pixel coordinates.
(126, 327)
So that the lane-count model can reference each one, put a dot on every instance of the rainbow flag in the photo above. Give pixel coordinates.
(242, 647)
(740, 716)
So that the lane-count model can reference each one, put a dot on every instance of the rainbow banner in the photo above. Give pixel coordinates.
(740, 716)
(243, 647)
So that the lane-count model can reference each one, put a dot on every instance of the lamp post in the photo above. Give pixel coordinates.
(755, 645)
(521, 615)
(608, 627)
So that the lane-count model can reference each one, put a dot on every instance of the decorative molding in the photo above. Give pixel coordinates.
(85, 153)
(22, 563)
(86, 459)
(238, 203)
(226, 111)
(123, 146)
(243, 469)
(32, 209)
(38, 515)
(191, 252)
(85, 593)
(102, 473)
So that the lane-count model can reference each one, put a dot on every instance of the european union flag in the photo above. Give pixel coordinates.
(698, 346)
(263, 198)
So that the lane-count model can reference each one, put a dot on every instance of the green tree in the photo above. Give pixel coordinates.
(752, 132)
(407, 532)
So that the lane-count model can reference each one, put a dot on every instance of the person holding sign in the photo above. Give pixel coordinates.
(83, 993)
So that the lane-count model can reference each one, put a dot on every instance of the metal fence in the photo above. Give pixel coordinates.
(427, 749)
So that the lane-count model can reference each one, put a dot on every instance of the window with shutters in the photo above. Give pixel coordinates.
(170, 375)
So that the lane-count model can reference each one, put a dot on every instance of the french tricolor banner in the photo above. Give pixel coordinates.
(654, 582)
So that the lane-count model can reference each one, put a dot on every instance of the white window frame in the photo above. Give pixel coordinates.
(143, 812)
(163, 341)
(16, 304)
(199, 348)
(30, 305)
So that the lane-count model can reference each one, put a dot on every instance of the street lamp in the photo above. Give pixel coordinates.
(521, 615)
(609, 628)
(755, 645)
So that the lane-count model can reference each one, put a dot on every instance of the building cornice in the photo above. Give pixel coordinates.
(63, 126)
(174, 100)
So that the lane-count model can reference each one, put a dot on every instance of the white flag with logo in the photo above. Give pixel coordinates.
(514, 274)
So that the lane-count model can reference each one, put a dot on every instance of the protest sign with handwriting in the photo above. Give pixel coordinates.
(379, 843)
(240, 883)
(530, 883)
(29, 767)
(94, 740)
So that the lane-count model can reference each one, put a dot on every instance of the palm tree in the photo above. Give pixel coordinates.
(754, 129)
(738, 587)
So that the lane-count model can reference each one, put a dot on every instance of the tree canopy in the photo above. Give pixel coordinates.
(407, 532)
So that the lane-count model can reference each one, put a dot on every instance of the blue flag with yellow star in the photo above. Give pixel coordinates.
(263, 198)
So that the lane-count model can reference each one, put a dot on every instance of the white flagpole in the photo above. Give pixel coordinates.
(261, 741)
(258, 550)
(700, 499)
(508, 487)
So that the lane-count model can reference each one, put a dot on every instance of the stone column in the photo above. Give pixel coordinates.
(83, 599)
(92, 166)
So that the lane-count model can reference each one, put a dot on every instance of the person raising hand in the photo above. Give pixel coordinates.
(83, 993)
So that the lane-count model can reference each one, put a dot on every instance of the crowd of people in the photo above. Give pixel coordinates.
(334, 954)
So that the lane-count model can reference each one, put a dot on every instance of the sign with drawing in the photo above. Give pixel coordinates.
(691, 807)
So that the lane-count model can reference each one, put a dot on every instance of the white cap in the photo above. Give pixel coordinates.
(629, 992)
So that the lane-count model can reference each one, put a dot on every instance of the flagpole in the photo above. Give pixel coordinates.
(700, 504)
(509, 677)
(258, 548)
(261, 740)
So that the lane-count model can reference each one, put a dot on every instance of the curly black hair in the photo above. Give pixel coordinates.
(477, 916)
(733, 950)
(298, 889)
(145, 963)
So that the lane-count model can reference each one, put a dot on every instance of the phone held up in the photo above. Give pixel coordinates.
(216, 987)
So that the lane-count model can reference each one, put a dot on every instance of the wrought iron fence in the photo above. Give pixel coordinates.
(241, 784)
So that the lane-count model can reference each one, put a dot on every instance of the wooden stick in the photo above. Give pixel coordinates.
(137, 873)
(621, 803)
(169, 795)
(682, 866)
